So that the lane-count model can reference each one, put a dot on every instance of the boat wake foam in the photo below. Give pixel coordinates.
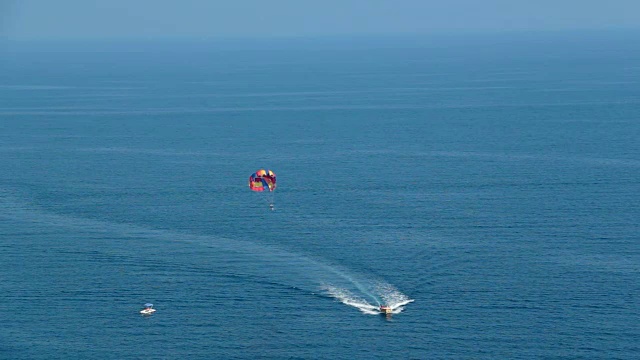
(339, 282)
(384, 294)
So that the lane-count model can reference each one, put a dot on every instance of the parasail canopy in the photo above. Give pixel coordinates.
(262, 180)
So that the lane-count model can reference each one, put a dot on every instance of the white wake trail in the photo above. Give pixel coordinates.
(357, 290)
(389, 296)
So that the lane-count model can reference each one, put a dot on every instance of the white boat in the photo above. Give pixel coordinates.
(385, 309)
(148, 309)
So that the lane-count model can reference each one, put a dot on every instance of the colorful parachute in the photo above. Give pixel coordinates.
(262, 180)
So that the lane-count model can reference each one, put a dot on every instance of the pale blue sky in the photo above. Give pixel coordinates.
(144, 19)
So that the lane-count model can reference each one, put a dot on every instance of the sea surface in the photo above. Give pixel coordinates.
(486, 187)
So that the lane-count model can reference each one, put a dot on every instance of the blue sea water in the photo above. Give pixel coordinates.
(488, 188)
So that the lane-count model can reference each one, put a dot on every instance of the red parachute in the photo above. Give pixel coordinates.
(262, 180)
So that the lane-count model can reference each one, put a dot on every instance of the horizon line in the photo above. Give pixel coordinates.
(350, 36)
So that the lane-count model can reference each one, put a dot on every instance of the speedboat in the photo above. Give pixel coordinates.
(148, 309)
(385, 309)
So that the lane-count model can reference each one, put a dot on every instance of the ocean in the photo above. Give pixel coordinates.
(486, 187)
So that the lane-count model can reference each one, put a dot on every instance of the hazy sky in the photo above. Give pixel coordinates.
(135, 19)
